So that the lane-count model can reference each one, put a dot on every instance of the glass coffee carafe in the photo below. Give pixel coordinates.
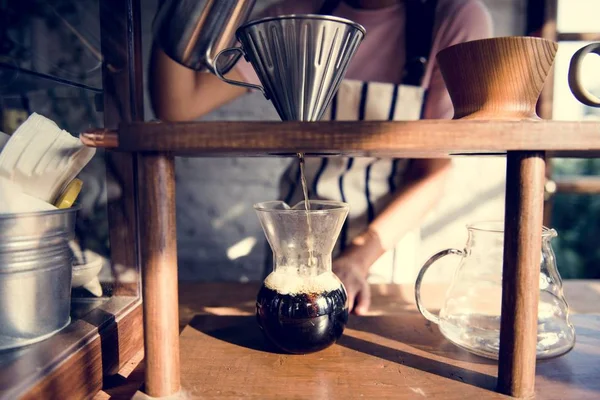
(470, 315)
(302, 307)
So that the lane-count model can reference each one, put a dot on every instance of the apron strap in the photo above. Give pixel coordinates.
(420, 18)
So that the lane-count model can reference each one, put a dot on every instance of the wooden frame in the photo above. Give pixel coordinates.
(522, 141)
(73, 363)
(541, 21)
(522, 137)
(159, 255)
(123, 102)
(574, 184)
(542, 18)
(425, 138)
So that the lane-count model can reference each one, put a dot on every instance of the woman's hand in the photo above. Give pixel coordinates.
(352, 267)
(352, 275)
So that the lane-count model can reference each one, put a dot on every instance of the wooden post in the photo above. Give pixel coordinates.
(159, 274)
(541, 19)
(123, 95)
(525, 178)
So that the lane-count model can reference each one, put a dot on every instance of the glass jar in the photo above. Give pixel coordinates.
(470, 316)
(302, 307)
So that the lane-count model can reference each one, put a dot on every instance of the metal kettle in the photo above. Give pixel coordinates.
(193, 32)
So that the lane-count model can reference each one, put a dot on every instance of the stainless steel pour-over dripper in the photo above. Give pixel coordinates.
(299, 59)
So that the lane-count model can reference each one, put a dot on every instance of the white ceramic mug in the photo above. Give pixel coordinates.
(581, 93)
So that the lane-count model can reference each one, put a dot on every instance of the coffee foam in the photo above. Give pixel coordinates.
(286, 280)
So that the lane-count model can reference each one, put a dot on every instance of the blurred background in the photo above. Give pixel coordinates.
(219, 237)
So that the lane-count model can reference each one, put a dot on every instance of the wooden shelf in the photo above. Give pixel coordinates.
(73, 363)
(577, 184)
(411, 139)
(578, 36)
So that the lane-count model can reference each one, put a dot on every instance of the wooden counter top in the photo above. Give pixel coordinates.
(228, 298)
(391, 353)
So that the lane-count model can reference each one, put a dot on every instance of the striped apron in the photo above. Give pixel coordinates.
(368, 184)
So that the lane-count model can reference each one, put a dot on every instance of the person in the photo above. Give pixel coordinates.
(393, 76)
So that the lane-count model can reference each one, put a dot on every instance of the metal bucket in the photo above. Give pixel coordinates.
(192, 32)
(35, 275)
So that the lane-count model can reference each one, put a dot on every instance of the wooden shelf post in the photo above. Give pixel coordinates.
(525, 178)
(159, 274)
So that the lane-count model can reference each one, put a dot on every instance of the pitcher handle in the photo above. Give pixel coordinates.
(428, 315)
(581, 93)
(231, 81)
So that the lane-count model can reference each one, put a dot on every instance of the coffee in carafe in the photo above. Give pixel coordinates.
(302, 314)
(302, 307)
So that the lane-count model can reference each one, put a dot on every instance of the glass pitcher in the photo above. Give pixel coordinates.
(470, 316)
(302, 307)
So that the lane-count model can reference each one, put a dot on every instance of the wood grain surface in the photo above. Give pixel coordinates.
(541, 15)
(391, 353)
(73, 363)
(211, 300)
(499, 78)
(577, 184)
(525, 179)
(579, 36)
(124, 384)
(159, 273)
(424, 138)
(230, 298)
(123, 95)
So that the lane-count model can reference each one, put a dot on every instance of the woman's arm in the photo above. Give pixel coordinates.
(423, 189)
(425, 183)
(181, 94)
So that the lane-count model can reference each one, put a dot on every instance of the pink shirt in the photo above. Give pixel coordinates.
(380, 57)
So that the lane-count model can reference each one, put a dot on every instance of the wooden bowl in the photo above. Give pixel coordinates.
(497, 79)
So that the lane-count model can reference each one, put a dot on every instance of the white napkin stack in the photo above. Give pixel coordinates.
(40, 159)
(13, 200)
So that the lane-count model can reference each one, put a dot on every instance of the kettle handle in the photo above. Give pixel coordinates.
(428, 315)
(231, 81)
(581, 93)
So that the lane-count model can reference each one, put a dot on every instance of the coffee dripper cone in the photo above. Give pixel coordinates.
(300, 60)
(497, 79)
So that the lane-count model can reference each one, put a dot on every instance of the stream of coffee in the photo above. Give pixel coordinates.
(309, 239)
(304, 185)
